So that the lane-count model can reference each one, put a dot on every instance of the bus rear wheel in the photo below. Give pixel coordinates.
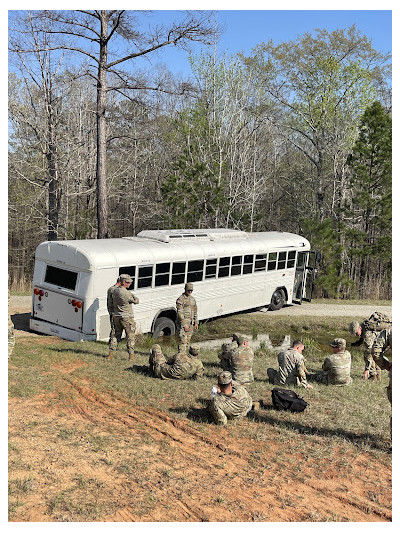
(163, 327)
(277, 300)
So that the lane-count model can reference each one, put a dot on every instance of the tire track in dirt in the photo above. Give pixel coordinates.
(183, 435)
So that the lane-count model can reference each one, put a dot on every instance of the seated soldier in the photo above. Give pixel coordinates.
(230, 401)
(336, 367)
(291, 369)
(242, 362)
(227, 350)
(237, 358)
(182, 366)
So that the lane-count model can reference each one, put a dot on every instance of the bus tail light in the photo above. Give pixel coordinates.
(78, 304)
(73, 303)
(36, 291)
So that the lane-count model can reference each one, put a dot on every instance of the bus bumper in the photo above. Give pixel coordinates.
(64, 333)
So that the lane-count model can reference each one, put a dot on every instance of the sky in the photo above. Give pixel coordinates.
(245, 28)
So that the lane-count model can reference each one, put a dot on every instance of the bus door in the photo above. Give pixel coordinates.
(311, 270)
(300, 277)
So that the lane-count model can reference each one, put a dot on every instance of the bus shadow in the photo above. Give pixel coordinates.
(21, 321)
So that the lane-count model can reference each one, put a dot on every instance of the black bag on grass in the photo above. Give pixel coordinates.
(287, 400)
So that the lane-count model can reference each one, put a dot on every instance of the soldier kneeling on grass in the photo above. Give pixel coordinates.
(230, 400)
(182, 365)
(336, 367)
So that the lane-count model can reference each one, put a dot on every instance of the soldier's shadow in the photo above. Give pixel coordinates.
(200, 415)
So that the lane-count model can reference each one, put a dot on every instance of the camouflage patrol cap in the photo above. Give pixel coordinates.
(188, 286)
(338, 343)
(194, 349)
(224, 378)
(125, 277)
(353, 327)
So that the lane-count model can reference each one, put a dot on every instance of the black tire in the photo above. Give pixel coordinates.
(163, 326)
(277, 300)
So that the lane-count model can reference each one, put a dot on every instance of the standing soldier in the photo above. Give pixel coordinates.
(187, 320)
(383, 343)
(110, 303)
(368, 331)
(123, 317)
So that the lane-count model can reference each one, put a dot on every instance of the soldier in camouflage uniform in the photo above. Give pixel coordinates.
(226, 352)
(11, 336)
(187, 320)
(291, 367)
(237, 358)
(123, 317)
(182, 366)
(368, 331)
(383, 343)
(110, 303)
(230, 400)
(336, 367)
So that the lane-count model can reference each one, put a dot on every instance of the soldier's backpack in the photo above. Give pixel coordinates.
(287, 400)
(378, 322)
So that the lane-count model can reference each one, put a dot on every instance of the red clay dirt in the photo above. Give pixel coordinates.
(106, 459)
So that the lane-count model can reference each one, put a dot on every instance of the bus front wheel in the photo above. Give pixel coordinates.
(163, 327)
(277, 300)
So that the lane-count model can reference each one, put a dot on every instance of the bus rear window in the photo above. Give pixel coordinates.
(61, 277)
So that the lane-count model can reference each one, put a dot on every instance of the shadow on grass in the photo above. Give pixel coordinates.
(196, 414)
(374, 441)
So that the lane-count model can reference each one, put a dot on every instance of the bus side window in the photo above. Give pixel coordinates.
(131, 270)
(248, 264)
(261, 263)
(236, 268)
(223, 270)
(162, 274)
(195, 270)
(291, 259)
(211, 268)
(282, 260)
(145, 276)
(272, 260)
(178, 273)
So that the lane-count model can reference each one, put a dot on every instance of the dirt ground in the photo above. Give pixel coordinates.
(131, 463)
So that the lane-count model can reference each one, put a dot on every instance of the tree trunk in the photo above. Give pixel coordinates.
(101, 170)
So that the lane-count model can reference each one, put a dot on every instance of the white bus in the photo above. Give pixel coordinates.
(231, 271)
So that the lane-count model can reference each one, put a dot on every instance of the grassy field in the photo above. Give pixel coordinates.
(347, 422)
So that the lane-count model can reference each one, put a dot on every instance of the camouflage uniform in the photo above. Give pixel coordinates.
(186, 308)
(336, 367)
(225, 355)
(383, 342)
(11, 336)
(110, 304)
(236, 405)
(291, 369)
(123, 319)
(183, 366)
(367, 337)
(242, 363)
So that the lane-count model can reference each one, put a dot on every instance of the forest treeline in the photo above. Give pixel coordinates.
(294, 137)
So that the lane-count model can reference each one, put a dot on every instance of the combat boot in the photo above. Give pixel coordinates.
(111, 354)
